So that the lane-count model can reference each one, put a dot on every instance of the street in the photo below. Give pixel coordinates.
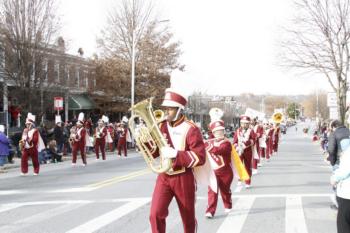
(291, 193)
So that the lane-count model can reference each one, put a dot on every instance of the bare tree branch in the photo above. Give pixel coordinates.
(318, 42)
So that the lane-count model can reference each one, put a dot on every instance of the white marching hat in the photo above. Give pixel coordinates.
(215, 119)
(105, 119)
(125, 119)
(30, 118)
(58, 119)
(174, 98)
(81, 119)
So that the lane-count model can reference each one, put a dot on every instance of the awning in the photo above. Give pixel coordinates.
(80, 102)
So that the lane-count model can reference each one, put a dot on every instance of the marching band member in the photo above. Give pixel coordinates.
(270, 139)
(100, 138)
(259, 131)
(243, 142)
(219, 156)
(110, 136)
(187, 150)
(31, 143)
(262, 141)
(79, 140)
(276, 137)
(123, 133)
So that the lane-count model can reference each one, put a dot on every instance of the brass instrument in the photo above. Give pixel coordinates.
(21, 144)
(148, 138)
(71, 139)
(277, 117)
(159, 115)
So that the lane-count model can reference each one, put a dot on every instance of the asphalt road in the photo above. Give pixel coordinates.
(291, 193)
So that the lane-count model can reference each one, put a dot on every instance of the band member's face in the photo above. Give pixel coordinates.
(28, 125)
(245, 125)
(100, 124)
(171, 112)
(218, 134)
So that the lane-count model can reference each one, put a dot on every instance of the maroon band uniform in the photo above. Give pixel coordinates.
(246, 138)
(220, 153)
(79, 145)
(100, 141)
(30, 149)
(276, 136)
(186, 140)
(259, 131)
(185, 137)
(122, 145)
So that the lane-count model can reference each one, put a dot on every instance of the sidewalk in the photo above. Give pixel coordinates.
(17, 161)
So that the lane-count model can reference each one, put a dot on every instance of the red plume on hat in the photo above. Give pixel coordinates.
(215, 117)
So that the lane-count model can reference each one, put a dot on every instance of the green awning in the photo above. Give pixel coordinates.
(80, 102)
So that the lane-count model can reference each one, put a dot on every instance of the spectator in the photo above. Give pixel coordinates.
(52, 150)
(324, 141)
(341, 180)
(66, 132)
(4, 146)
(12, 151)
(315, 136)
(338, 133)
(15, 113)
(58, 134)
(16, 137)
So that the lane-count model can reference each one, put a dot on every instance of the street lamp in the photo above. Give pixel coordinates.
(134, 42)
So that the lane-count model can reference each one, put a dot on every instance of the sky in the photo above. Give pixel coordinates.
(229, 47)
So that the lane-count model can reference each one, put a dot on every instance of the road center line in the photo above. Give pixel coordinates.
(118, 179)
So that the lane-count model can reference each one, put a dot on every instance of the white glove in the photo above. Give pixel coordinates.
(168, 152)
(242, 145)
(332, 181)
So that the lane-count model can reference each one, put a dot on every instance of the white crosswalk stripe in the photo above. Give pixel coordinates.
(109, 217)
(37, 218)
(295, 219)
(234, 222)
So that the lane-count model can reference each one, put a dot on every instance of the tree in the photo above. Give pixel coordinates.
(27, 29)
(156, 53)
(293, 110)
(310, 105)
(273, 102)
(318, 43)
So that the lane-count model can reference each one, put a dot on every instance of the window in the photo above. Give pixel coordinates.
(57, 72)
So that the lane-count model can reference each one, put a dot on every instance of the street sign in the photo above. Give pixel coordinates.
(331, 99)
(333, 113)
(58, 103)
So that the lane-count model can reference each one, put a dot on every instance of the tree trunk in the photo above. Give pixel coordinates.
(341, 94)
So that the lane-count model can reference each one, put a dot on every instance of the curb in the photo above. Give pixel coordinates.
(17, 161)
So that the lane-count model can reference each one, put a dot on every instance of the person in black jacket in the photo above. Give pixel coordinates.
(338, 132)
(58, 136)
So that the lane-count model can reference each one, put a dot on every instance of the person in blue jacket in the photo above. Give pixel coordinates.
(4, 146)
